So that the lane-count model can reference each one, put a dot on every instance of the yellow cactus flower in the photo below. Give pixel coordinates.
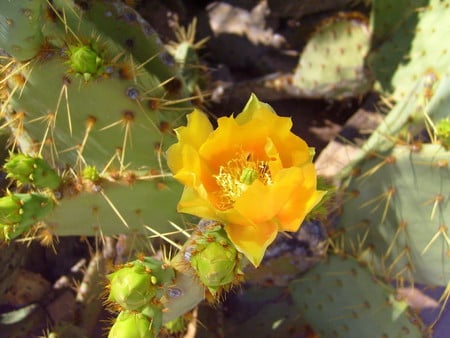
(251, 173)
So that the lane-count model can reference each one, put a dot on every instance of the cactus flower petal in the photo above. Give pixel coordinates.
(251, 173)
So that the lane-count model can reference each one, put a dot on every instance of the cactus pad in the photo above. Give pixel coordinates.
(340, 298)
(332, 63)
(410, 44)
(398, 208)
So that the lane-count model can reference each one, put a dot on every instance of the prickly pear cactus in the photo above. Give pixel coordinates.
(138, 289)
(184, 51)
(95, 118)
(397, 207)
(332, 63)
(21, 33)
(341, 298)
(405, 48)
(150, 292)
(395, 202)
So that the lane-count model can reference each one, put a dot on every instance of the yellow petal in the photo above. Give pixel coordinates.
(257, 110)
(258, 204)
(190, 138)
(293, 150)
(194, 203)
(296, 209)
(300, 197)
(197, 130)
(184, 162)
(252, 241)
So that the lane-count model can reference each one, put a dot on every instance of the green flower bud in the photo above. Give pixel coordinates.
(161, 274)
(91, 173)
(32, 170)
(85, 60)
(19, 211)
(215, 260)
(443, 131)
(10, 209)
(131, 286)
(132, 325)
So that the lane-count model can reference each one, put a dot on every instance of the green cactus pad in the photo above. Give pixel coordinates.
(340, 298)
(398, 208)
(20, 28)
(410, 43)
(111, 207)
(332, 63)
(118, 124)
(77, 122)
(426, 102)
(387, 16)
(256, 311)
(127, 28)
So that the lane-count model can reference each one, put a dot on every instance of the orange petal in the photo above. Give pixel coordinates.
(252, 241)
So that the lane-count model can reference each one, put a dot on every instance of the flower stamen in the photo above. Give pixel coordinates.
(237, 175)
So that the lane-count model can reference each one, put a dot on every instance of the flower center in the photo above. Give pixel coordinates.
(237, 175)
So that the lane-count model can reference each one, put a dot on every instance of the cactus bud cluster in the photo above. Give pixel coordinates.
(139, 288)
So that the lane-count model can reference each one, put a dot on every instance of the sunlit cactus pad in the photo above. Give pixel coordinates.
(397, 206)
(406, 47)
(332, 63)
